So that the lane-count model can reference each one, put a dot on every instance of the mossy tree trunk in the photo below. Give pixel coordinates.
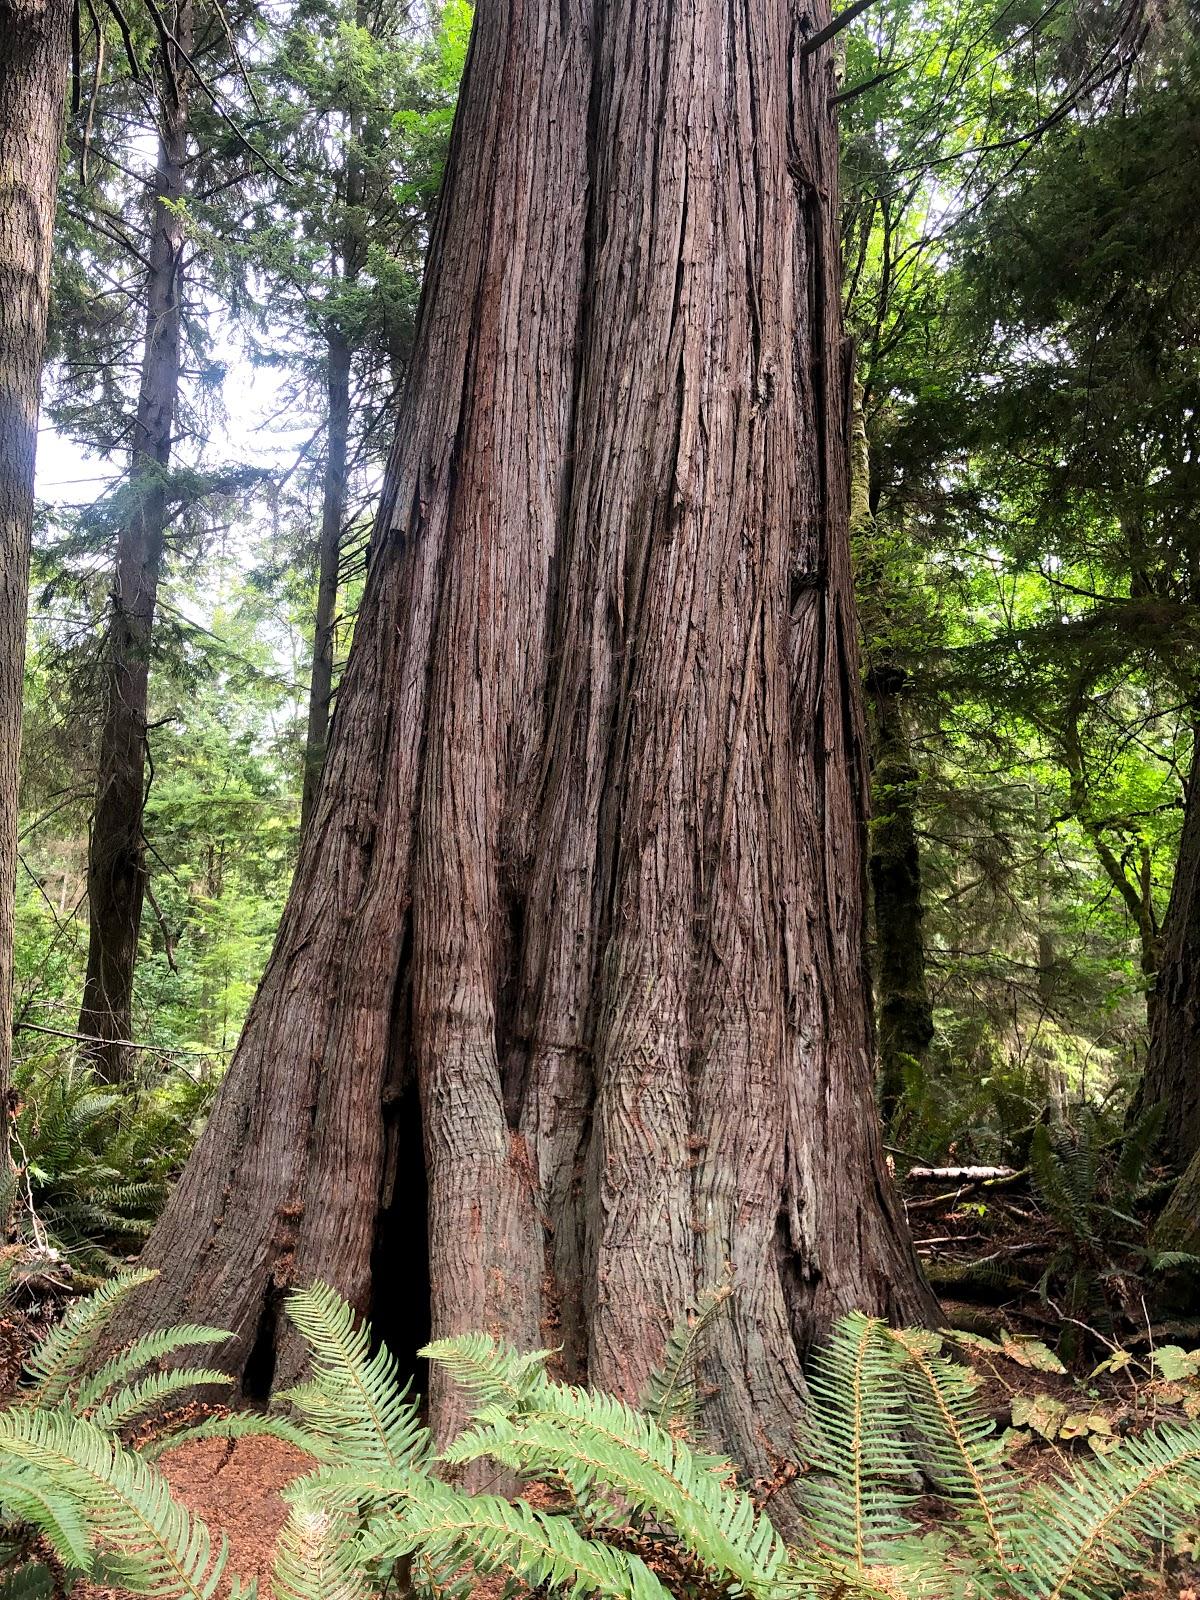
(903, 1007)
(1178, 1228)
(573, 964)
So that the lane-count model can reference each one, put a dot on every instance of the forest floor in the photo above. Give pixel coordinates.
(235, 1486)
(995, 1258)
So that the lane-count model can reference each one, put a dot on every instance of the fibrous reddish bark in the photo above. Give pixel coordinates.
(117, 872)
(34, 53)
(582, 893)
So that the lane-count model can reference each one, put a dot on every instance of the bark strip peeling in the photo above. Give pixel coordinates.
(586, 867)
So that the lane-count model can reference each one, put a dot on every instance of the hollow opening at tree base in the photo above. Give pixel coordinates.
(400, 1277)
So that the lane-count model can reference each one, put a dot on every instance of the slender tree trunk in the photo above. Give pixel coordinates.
(349, 259)
(573, 963)
(34, 51)
(117, 854)
(1136, 892)
(904, 1007)
(333, 515)
(1173, 1061)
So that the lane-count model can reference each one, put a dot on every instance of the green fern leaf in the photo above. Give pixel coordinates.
(1174, 1261)
(156, 1346)
(1138, 1147)
(964, 1456)
(854, 1439)
(608, 1453)
(355, 1402)
(452, 1529)
(670, 1394)
(56, 1361)
(34, 1581)
(491, 1371)
(168, 1552)
(244, 1425)
(136, 1399)
(314, 1558)
(1072, 1538)
(25, 1496)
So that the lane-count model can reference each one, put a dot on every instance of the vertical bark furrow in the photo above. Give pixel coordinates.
(487, 695)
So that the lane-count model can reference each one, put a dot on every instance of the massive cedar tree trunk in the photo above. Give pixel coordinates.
(1173, 1061)
(116, 876)
(34, 52)
(573, 961)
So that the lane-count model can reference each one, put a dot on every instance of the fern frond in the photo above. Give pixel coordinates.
(34, 1581)
(493, 1372)
(56, 1516)
(1075, 1535)
(56, 1361)
(1064, 1168)
(124, 1499)
(154, 1346)
(452, 1529)
(1138, 1147)
(355, 1402)
(670, 1393)
(854, 1437)
(816, 1575)
(965, 1457)
(314, 1557)
(1174, 1261)
(137, 1398)
(600, 1446)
